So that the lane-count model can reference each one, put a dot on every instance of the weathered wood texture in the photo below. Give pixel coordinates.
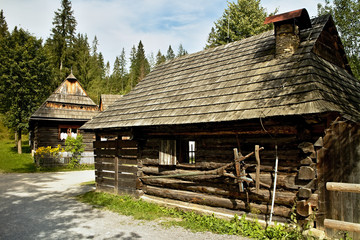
(214, 151)
(340, 225)
(116, 166)
(343, 187)
(46, 133)
(203, 179)
(339, 162)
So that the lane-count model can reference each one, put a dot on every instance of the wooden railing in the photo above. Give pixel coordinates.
(342, 225)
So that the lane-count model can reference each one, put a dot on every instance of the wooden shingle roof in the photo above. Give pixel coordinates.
(107, 99)
(68, 102)
(237, 81)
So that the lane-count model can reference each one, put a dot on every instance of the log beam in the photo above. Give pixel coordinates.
(340, 225)
(343, 187)
(214, 201)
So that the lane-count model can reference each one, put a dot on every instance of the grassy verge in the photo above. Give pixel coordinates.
(11, 161)
(140, 209)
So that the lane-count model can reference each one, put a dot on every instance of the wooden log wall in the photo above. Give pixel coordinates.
(47, 134)
(116, 166)
(215, 151)
(339, 161)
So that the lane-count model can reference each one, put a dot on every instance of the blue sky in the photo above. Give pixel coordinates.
(121, 24)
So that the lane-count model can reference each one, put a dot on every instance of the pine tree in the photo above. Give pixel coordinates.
(139, 65)
(123, 70)
(346, 14)
(170, 55)
(241, 19)
(82, 64)
(143, 66)
(24, 73)
(152, 62)
(132, 73)
(3, 25)
(160, 58)
(181, 51)
(60, 43)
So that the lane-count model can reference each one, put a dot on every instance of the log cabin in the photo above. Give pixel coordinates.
(208, 128)
(61, 115)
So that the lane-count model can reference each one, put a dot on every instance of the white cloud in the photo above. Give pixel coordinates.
(123, 23)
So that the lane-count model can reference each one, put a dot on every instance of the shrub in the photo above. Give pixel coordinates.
(48, 153)
(75, 146)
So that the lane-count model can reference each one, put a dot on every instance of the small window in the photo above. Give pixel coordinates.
(191, 151)
(65, 131)
(167, 154)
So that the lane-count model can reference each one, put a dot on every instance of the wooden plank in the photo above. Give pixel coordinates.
(341, 225)
(105, 152)
(343, 187)
(288, 130)
(130, 161)
(105, 181)
(129, 169)
(127, 176)
(128, 152)
(104, 144)
(127, 144)
(127, 183)
(116, 175)
(108, 166)
(104, 174)
(105, 160)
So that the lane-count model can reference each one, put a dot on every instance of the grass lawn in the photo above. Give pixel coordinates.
(11, 161)
(140, 209)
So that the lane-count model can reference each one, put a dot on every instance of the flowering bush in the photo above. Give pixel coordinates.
(48, 152)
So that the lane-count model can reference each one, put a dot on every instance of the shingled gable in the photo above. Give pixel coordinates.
(68, 102)
(243, 80)
(61, 115)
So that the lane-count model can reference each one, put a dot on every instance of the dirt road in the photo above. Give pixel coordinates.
(42, 206)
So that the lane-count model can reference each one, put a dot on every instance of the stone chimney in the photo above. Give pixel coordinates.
(287, 28)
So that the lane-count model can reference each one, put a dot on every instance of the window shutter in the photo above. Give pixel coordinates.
(167, 154)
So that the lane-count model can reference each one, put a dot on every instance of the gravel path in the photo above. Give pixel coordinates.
(42, 206)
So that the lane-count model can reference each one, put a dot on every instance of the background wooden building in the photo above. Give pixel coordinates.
(62, 114)
(107, 99)
(278, 91)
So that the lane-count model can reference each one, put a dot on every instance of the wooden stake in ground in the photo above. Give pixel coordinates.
(257, 178)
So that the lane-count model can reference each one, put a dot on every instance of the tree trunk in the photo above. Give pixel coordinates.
(16, 139)
(19, 142)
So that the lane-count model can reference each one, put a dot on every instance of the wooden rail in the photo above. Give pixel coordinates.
(341, 225)
(343, 187)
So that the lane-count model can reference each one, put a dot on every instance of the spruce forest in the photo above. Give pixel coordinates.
(67, 50)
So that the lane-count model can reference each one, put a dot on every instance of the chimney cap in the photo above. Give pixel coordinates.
(301, 17)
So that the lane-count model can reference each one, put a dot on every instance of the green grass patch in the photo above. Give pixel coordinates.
(11, 161)
(89, 183)
(140, 209)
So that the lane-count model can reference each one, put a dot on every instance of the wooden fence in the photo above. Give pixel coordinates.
(338, 163)
(342, 225)
(116, 166)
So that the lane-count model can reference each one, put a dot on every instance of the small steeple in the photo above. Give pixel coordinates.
(71, 76)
